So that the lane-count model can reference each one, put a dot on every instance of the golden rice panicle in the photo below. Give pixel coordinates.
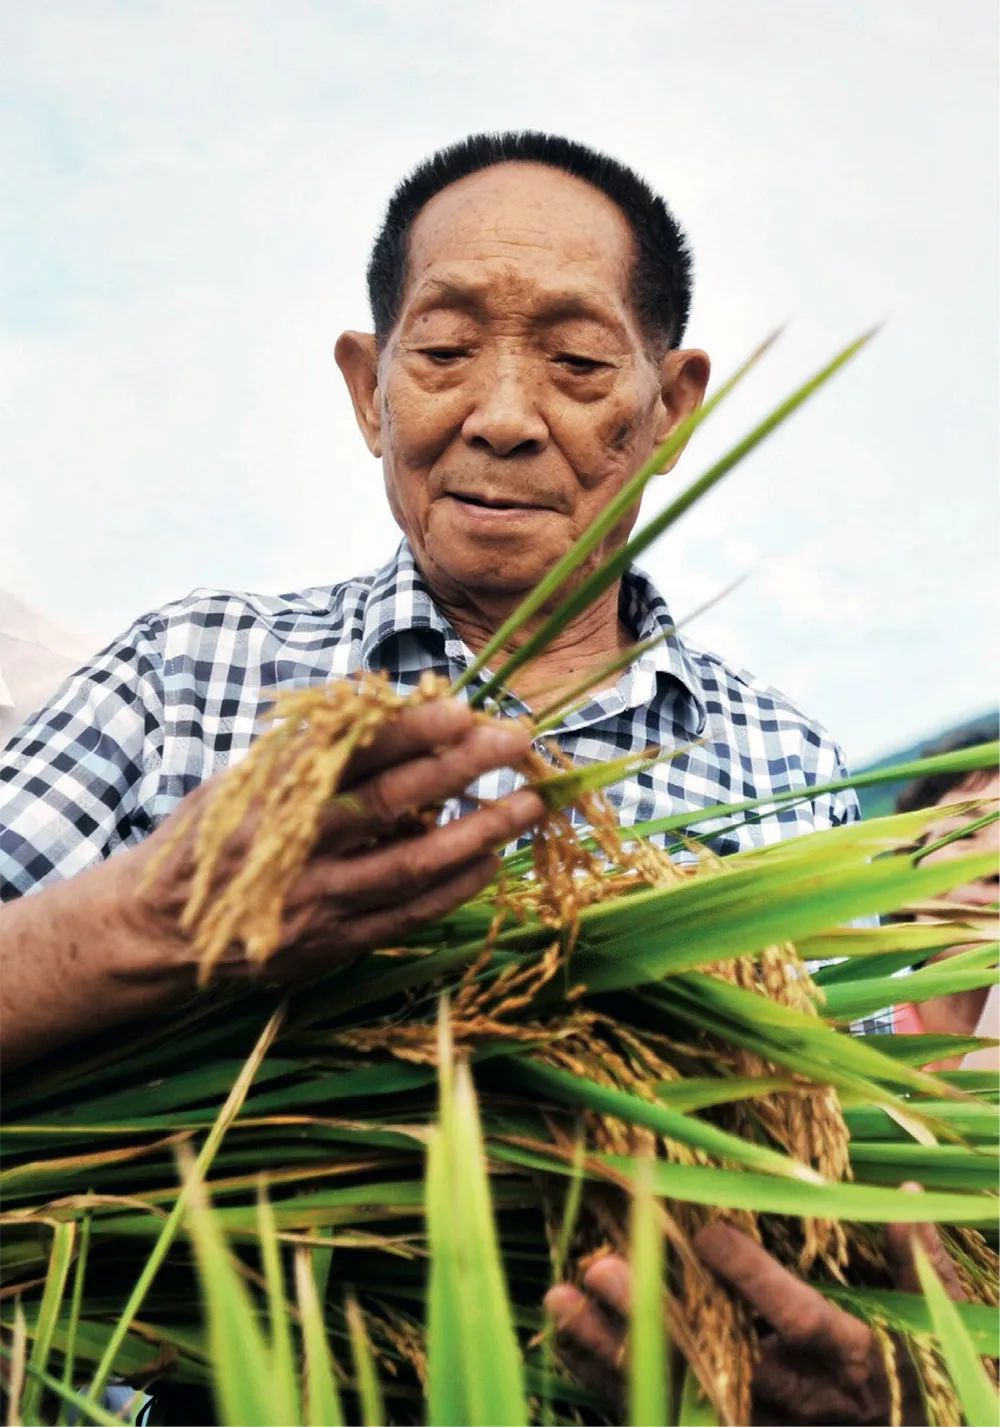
(888, 1350)
(808, 1123)
(941, 1404)
(281, 788)
(287, 780)
(976, 1263)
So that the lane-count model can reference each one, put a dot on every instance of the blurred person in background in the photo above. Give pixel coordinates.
(36, 655)
(963, 1013)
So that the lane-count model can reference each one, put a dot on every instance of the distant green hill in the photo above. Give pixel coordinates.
(877, 801)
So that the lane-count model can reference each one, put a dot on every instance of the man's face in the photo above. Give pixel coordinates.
(985, 839)
(516, 394)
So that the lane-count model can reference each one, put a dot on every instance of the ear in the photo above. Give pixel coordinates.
(683, 379)
(357, 358)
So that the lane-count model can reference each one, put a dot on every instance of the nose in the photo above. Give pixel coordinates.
(505, 418)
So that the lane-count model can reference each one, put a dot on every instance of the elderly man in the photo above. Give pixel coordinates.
(529, 300)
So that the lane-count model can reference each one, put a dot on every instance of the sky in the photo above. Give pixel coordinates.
(188, 193)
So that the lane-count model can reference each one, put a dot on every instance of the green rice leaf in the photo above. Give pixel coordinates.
(794, 1039)
(614, 566)
(60, 1258)
(974, 1389)
(910, 1313)
(767, 1194)
(243, 1379)
(605, 521)
(934, 1166)
(553, 714)
(971, 1121)
(957, 834)
(560, 1258)
(696, 1410)
(322, 1263)
(285, 1393)
(924, 1048)
(648, 1350)
(700, 1092)
(168, 1232)
(369, 1392)
(862, 1203)
(963, 760)
(446, 1397)
(966, 971)
(319, 1387)
(871, 950)
(739, 912)
(568, 1089)
(561, 790)
(90, 1412)
(470, 1328)
(76, 1301)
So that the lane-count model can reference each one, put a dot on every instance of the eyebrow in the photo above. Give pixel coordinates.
(559, 305)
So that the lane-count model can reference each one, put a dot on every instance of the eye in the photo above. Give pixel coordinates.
(578, 364)
(443, 355)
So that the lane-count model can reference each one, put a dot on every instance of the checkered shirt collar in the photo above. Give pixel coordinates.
(400, 606)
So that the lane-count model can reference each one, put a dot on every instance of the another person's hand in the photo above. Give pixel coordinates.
(375, 875)
(818, 1364)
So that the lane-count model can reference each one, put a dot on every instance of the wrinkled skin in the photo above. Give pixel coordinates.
(516, 395)
(511, 401)
(375, 875)
(117, 951)
(818, 1364)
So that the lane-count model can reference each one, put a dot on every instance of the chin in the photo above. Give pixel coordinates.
(504, 563)
(498, 576)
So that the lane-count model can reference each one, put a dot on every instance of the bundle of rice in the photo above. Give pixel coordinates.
(626, 1020)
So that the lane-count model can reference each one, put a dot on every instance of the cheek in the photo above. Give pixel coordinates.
(418, 424)
(403, 468)
(610, 441)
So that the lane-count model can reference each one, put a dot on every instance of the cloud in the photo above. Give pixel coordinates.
(192, 189)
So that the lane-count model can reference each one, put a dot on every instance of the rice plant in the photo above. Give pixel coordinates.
(410, 1151)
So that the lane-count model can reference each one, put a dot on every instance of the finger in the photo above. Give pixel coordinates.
(311, 950)
(397, 871)
(607, 1384)
(582, 1329)
(386, 928)
(788, 1388)
(377, 804)
(798, 1314)
(415, 730)
(610, 1280)
(590, 1356)
(900, 1239)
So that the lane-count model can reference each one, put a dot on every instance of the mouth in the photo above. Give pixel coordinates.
(487, 505)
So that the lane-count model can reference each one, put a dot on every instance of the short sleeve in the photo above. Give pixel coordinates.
(74, 779)
(839, 808)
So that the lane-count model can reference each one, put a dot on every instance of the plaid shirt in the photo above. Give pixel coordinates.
(179, 695)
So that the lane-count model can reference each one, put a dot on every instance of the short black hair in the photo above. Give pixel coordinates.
(661, 273)
(926, 792)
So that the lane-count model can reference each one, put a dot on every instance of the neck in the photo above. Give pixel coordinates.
(588, 643)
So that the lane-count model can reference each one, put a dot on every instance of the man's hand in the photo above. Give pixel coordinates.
(105, 946)
(376, 874)
(818, 1364)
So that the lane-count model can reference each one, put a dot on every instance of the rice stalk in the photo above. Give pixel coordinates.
(595, 957)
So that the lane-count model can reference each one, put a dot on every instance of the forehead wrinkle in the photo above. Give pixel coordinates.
(549, 305)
